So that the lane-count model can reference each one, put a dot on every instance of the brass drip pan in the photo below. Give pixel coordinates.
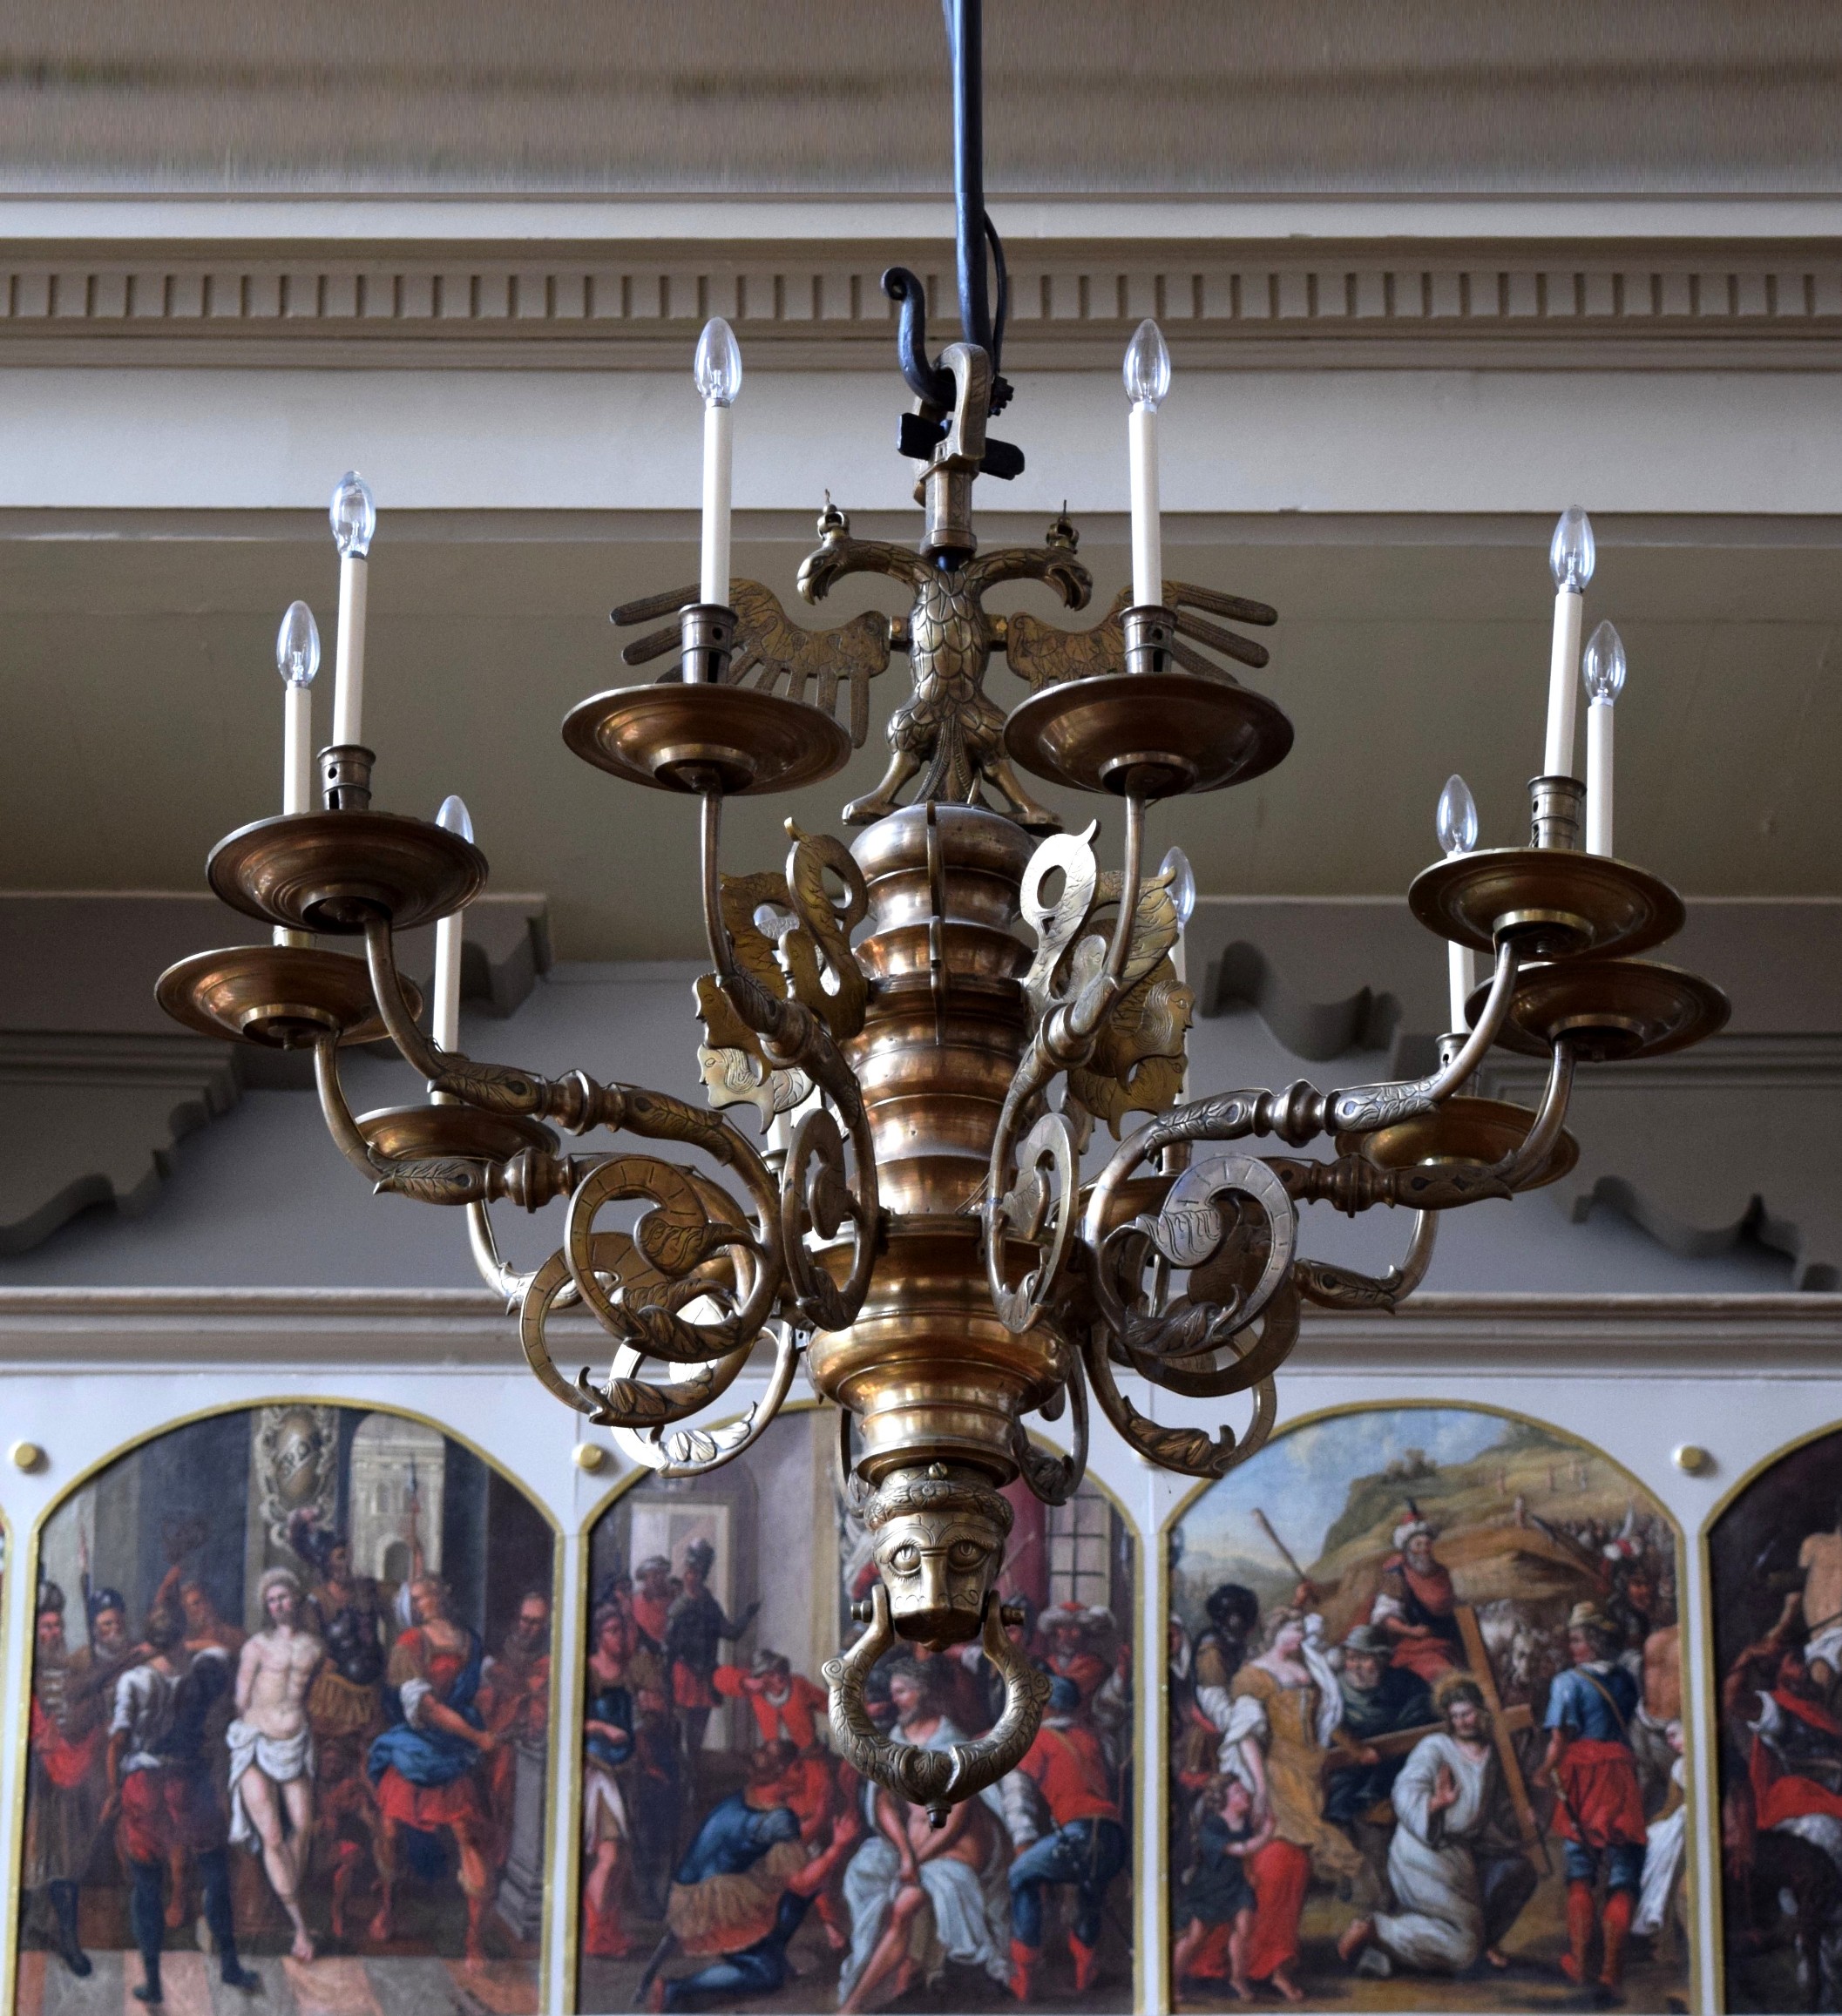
(1463, 1130)
(284, 996)
(675, 737)
(1156, 734)
(1612, 1009)
(414, 1133)
(328, 871)
(1560, 904)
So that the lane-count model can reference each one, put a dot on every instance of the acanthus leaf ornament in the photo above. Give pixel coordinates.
(920, 1243)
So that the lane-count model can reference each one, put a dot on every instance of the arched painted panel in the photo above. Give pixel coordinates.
(257, 1762)
(1774, 1550)
(726, 1857)
(1425, 1723)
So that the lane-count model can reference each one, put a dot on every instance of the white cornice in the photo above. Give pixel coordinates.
(420, 282)
(1742, 1336)
(1024, 216)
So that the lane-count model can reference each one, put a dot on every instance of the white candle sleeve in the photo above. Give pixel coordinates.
(1461, 978)
(1148, 542)
(1563, 684)
(1599, 777)
(348, 687)
(446, 1026)
(718, 422)
(297, 748)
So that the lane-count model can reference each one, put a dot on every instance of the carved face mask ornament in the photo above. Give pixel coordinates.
(940, 1543)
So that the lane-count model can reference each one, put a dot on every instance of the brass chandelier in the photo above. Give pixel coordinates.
(920, 1234)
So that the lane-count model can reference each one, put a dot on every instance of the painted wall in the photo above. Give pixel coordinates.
(1744, 1380)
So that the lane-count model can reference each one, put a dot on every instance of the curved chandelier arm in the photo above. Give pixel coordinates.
(1363, 1109)
(1530, 1158)
(675, 1237)
(482, 1242)
(338, 1115)
(1254, 1359)
(1191, 1450)
(1055, 1478)
(380, 954)
(1333, 1287)
(1228, 1116)
(936, 1779)
(696, 1452)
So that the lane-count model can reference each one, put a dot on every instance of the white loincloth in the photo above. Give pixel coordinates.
(280, 1759)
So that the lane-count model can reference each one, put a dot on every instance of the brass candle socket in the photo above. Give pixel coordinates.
(1150, 630)
(1556, 808)
(709, 630)
(345, 777)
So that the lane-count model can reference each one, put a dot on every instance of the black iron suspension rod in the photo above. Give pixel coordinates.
(965, 25)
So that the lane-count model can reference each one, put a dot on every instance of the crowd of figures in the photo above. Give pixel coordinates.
(1419, 1770)
(733, 1873)
(356, 1743)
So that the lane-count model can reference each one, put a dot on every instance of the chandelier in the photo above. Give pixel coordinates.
(918, 1232)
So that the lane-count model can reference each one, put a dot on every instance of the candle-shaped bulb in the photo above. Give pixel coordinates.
(297, 646)
(1457, 821)
(718, 367)
(354, 515)
(454, 818)
(1148, 366)
(1570, 552)
(1603, 668)
(1176, 864)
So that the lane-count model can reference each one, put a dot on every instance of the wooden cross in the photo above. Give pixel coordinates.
(1505, 1723)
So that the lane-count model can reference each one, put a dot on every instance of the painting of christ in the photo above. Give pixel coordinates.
(732, 1861)
(1425, 1693)
(290, 1724)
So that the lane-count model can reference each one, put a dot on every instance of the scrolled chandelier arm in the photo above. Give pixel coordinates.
(919, 1234)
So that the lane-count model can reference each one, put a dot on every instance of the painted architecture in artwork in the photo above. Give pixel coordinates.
(730, 1862)
(1425, 1714)
(290, 1724)
(1775, 1594)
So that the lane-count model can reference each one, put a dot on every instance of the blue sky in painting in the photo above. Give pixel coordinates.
(1302, 1480)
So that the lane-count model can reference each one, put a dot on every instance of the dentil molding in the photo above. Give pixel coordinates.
(1248, 286)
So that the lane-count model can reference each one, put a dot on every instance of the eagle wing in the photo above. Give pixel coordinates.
(772, 652)
(1040, 654)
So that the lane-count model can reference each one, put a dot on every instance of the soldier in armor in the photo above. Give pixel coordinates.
(694, 1633)
(345, 1612)
(65, 1804)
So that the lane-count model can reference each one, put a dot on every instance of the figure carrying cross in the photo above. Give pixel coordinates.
(1467, 1853)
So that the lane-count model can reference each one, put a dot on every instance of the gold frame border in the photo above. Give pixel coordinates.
(1710, 1675)
(1692, 1746)
(9, 1916)
(639, 1474)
